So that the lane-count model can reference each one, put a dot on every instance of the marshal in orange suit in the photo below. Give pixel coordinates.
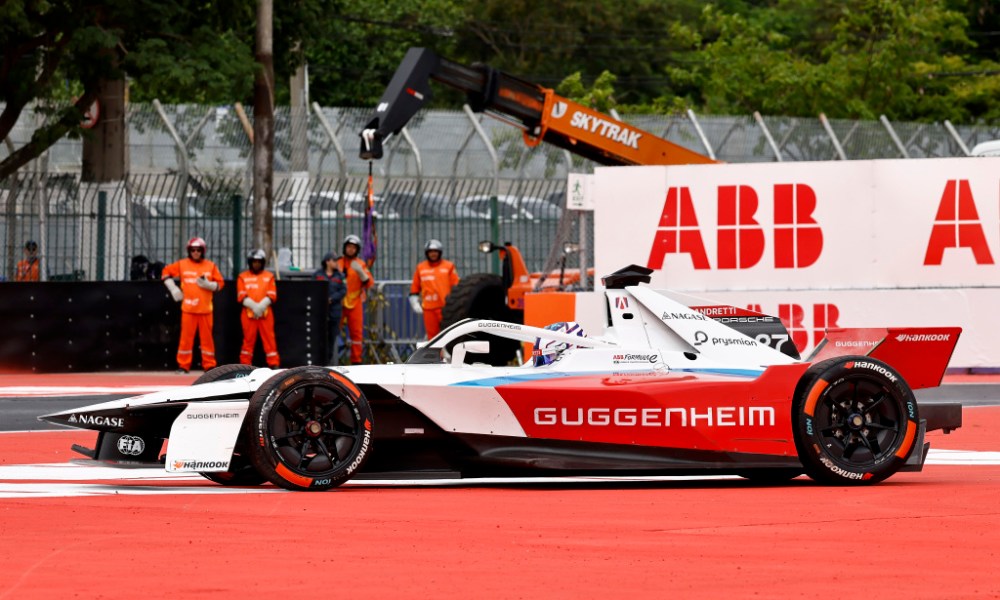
(358, 279)
(256, 292)
(432, 282)
(199, 278)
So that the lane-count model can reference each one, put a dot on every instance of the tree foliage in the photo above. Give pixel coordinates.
(920, 60)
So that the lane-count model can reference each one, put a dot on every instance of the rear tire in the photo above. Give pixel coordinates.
(240, 472)
(483, 296)
(311, 429)
(855, 421)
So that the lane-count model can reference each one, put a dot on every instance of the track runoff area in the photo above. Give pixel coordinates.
(85, 531)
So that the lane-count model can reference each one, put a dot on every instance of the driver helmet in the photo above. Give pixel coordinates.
(197, 242)
(254, 256)
(434, 245)
(545, 351)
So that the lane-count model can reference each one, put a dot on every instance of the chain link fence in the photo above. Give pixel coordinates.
(451, 175)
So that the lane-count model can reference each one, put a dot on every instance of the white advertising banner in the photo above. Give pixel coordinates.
(886, 242)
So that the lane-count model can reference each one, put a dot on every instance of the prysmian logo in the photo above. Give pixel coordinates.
(718, 416)
(923, 337)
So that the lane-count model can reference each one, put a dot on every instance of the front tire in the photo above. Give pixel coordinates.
(310, 427)
(240, 472)
(855, 421)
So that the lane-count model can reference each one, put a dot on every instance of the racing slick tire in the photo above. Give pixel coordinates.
(310, 428)
(223, 372)
(855, 421)
(483, 296)
(240, 472)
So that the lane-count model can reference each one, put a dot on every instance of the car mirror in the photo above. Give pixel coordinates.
(460, 350)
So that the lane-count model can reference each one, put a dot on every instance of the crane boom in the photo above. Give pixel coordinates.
(538, 111)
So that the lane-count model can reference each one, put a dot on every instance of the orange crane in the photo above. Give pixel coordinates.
(542, 115)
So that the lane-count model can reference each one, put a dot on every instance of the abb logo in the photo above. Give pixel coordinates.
(793, 317)
(957, 225)
(798, 238)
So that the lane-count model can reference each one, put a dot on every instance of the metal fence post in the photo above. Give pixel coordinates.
(237, 214)
(833, 136)
(892, 135)
(102, 222)
(958, 138)
(767, 135)
(182, 158)
(701, 134)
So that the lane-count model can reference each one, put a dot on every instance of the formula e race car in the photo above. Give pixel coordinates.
(673, 386)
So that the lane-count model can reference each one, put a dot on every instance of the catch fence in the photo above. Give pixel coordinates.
(451, 175)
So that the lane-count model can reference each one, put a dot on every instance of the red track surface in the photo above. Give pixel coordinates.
(919, 535)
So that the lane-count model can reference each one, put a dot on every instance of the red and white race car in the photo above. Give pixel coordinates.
(673, 386)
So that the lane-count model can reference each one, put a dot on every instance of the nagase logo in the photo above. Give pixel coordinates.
(797, 237)
(617, 132)
(957, 225)
(718, 416)
(923, 337)
(684, 316)
(634, 358)
(96, 420)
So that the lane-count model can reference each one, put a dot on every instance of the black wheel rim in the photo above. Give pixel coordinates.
(315, 429)
(860, 422)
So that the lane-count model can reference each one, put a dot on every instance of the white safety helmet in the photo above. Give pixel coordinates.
(352, 239)
(255, 255)
(433, 245)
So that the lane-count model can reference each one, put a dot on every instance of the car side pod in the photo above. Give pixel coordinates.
(308, 428)
(855, 421)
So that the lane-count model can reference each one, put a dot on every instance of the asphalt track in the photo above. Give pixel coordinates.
(80, 531)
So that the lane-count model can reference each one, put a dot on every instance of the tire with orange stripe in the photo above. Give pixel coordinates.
(308, 428)
(855, 421)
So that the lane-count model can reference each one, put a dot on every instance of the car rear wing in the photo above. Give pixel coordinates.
(919, 354)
